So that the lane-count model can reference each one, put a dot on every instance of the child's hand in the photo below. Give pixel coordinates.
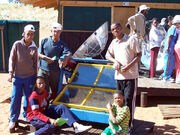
(53, 122)
(109, 106)
(115, 132)
(62, 63)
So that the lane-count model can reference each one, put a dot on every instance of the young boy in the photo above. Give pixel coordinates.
(23, 68)
(43, 117)
(125, 52)
(119, 116)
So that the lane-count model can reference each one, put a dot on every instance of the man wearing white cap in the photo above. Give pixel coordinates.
(137, 21)
(50, 51)
(23, 68)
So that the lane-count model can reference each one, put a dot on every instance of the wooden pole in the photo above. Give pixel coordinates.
(143, 101)
(3, 53)
(59, 12)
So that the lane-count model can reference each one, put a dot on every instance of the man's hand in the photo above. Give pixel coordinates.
(117, 66)
(124, 68)
(49, 60)
(53, 122)
(11, 76)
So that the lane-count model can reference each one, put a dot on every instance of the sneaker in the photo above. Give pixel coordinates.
(33, 133)
(81, 128)
(171, 80)
(12, 127)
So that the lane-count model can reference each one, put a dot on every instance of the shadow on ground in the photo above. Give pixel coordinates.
(167, 130)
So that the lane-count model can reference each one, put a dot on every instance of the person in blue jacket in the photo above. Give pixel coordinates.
(169, 57)
(50, 51)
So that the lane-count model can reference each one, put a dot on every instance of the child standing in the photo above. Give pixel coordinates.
(119, 116)
(23, 69)
(43, 117)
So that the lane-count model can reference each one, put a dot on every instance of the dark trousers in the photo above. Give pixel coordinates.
(153, 62)
(52, 81)
(129, 88)
(53, 112)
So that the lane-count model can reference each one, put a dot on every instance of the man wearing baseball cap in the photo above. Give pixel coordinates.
(23, 68)
(50, 51)
(137, 21)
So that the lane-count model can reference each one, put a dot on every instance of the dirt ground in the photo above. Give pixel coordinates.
(151, 114)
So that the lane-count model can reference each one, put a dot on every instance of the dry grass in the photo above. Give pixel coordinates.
(29, 13)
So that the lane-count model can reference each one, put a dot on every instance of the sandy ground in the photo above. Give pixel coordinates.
(152, 114)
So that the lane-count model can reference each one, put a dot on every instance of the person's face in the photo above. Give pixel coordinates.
(116, 30)
(155, 23)
(40, 84)
(119, 99)
(145, 12)
(29, 36)
(56, 34)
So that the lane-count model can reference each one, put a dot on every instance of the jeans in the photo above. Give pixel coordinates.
(20, 87)
(45, 128)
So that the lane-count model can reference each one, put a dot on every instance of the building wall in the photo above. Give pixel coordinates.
(78, 21)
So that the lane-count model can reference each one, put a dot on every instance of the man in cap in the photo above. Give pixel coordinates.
(23, 68)
(137, 22)
(50, 51)
(137, 26)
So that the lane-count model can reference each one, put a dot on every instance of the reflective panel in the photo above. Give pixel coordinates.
(85, 75)
(100, 99)
(106, 79)
(74, 95)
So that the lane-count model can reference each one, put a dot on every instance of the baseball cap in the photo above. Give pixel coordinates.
(29, 27)
(176, 19)
(56, 26)
(143, 7)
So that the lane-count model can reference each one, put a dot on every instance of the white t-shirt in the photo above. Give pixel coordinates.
(124, 52)
(155, 37)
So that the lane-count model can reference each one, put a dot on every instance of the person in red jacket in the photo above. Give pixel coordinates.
(43, 117)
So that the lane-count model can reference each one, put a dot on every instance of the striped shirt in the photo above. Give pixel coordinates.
(122, 115)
